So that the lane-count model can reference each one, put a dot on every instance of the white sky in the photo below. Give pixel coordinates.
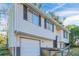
(73, 20)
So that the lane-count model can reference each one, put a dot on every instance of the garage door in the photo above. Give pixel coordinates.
(30, 47)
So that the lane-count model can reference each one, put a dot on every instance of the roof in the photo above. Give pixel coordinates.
(45, 16)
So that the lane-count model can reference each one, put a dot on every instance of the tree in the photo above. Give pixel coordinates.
(74, 33)
(2, 41)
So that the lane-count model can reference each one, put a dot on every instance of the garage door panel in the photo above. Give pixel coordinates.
(30, 47)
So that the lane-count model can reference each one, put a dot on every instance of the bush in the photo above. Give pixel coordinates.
(4, 51)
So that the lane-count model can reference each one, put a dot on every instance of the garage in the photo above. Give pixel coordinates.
(30, 47)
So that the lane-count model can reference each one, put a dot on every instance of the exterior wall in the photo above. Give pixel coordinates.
(42, 22)
(18, 24)
(46, 44)
(58, 33)
(61, 40)
(31, 29)
(65, 40)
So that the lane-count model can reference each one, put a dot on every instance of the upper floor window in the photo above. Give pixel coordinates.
(65, 34)
(32, 16)
(35, 19)
(53, 27)
(48, 25)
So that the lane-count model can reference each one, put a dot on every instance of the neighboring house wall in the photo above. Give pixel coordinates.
(77, 42)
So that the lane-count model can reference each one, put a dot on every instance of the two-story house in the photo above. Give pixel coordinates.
(30, 30)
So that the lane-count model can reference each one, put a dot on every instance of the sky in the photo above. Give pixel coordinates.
(72, 20)
(67, 11)
(63, 10)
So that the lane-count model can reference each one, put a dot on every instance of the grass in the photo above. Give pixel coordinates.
(75, 51)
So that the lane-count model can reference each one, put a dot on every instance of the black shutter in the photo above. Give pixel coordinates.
(25, 12)
(45, 26)
(39, 20)
(55, 42)
(18, 51)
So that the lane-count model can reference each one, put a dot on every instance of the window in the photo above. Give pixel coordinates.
(32, 17)
(65, 34)
(29, 15)
(52, 27)
(35, 19)
(45, 25)
(25, 12)
(48, 25)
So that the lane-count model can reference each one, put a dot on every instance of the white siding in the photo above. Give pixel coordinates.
(46, 44)
(22, 25)
(65, 40)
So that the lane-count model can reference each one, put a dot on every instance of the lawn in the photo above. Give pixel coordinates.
(75, 51)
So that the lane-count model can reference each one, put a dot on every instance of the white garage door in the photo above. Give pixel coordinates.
(30, 47)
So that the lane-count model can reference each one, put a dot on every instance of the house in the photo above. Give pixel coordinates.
(31, 30)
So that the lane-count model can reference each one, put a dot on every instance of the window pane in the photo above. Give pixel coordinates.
(35, 19)
(47, 24)
(64, 34)
(53, 27)
(29, 16)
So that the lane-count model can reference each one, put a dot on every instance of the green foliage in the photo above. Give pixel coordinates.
(74, 33)
(3, 41)
(4, 51)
